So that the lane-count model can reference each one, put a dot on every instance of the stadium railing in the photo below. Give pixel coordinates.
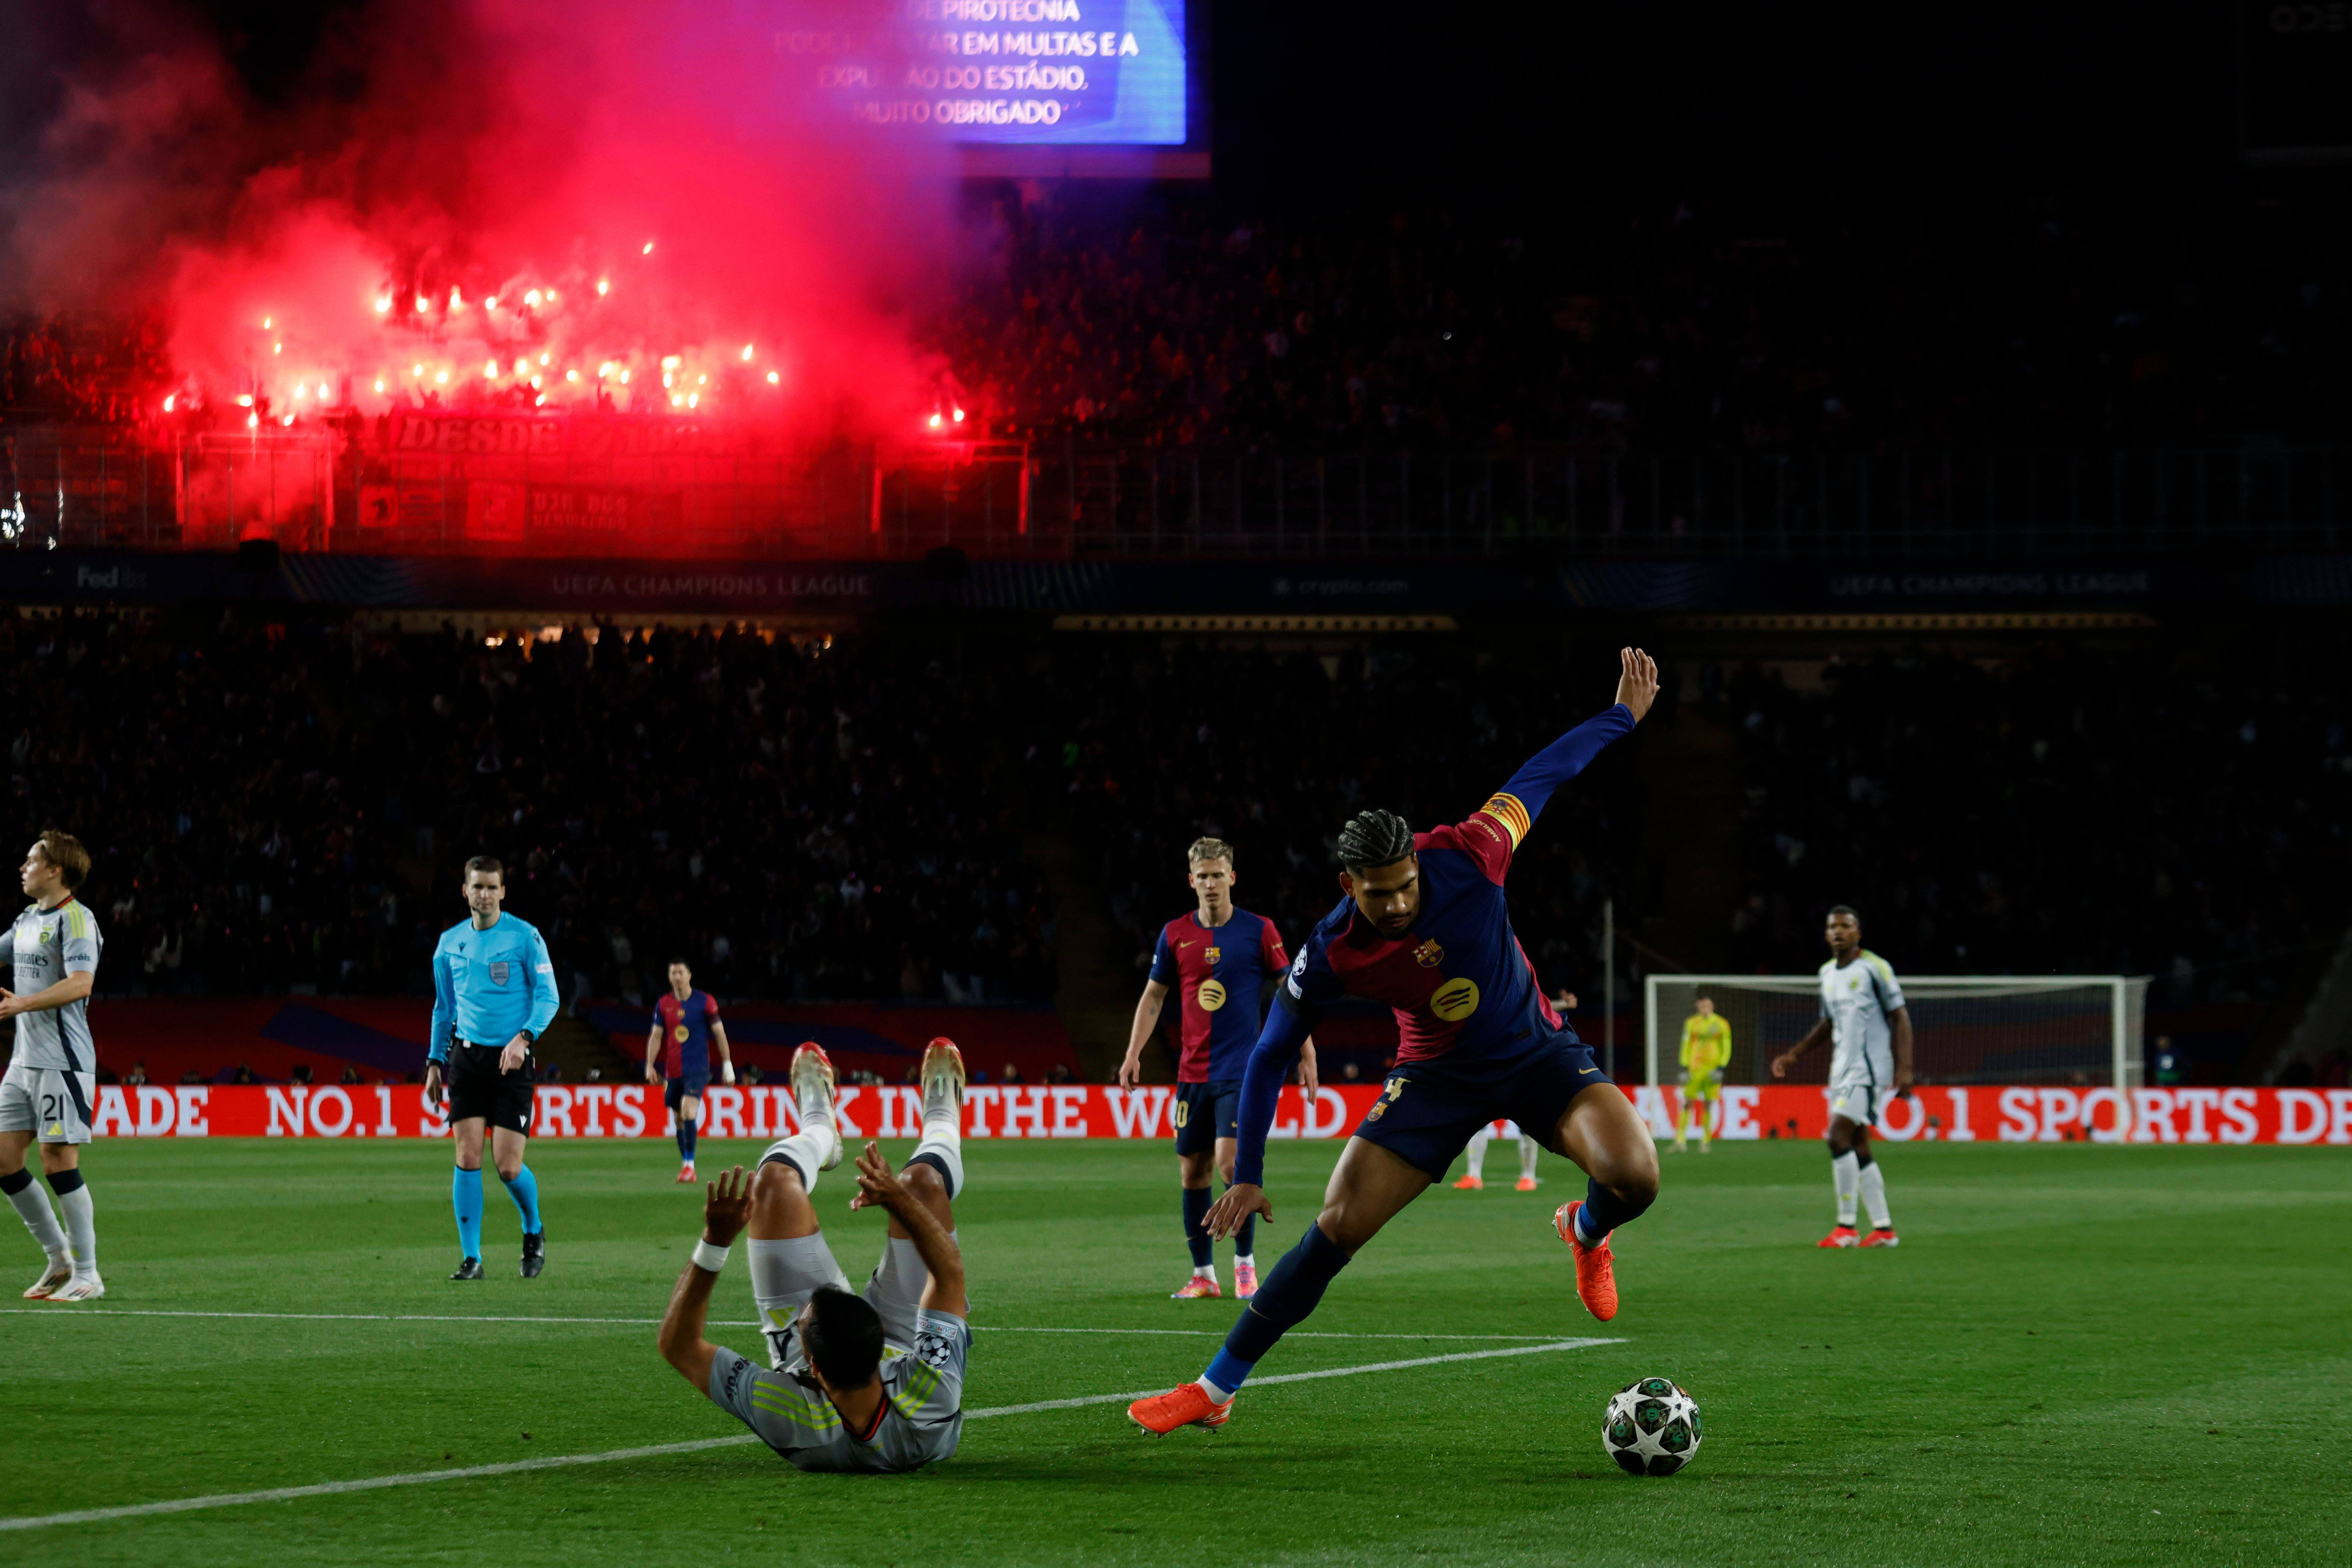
(93, 487)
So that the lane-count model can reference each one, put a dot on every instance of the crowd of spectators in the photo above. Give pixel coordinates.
(1685, 326)
(282, 806)
(2075, 809)
(1153, 746)
(1157, 315)
(81, 369)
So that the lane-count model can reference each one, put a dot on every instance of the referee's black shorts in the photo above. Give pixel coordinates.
(476, 1088)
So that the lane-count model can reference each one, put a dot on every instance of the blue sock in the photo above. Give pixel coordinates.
(1290, 1293)
(685, 1130)
(466, 1197)
(1605, 1211)
(1196, 1228)
(1245, 1239)
(524, 1190)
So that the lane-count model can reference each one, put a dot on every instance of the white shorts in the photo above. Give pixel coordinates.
(51, 1102)
(1859, 1100)
(895, 1291)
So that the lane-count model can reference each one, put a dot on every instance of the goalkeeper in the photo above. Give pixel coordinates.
(1706, 1051)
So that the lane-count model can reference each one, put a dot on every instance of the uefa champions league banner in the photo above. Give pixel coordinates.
(2010, 1114)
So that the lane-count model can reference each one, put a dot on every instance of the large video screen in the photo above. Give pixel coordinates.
(995, 72)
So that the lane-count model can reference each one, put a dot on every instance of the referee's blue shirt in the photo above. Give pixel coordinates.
(487, 984)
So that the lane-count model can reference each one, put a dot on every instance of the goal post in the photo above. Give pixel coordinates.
(1966, 1029)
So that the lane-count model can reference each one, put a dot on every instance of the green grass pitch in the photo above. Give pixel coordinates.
(2079, 1354)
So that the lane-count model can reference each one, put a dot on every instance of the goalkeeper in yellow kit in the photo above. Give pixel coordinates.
(1706, 1050)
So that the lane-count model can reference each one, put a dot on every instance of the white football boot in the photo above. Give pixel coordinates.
(813, 1085)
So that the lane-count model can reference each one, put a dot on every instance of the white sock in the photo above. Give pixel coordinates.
(1844, 1170)
(33, 1206)
(1527, 1148)
(1204, 1271)
(1216, 1396)
(1477, 1151)
(943, 1136)
(806, 1151)
(82, 1229)
(811, 1149)
(1873, 1196)
(1245, 1260)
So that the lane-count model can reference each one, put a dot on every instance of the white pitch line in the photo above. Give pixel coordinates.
(68, 1309)
(660, 1450)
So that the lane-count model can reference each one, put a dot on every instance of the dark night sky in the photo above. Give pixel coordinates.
(1587, 91)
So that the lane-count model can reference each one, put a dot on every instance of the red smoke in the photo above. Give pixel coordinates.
(447, 155)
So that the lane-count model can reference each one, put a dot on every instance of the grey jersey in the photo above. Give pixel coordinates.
(49, 945)
(1858, 1000)
(922, 1403)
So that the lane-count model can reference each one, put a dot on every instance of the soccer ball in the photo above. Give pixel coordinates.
(1651, 1427)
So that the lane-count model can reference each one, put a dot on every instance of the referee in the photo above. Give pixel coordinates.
(493, 993)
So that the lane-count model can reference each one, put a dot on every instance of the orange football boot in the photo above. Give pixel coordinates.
(1596, 1267)
(1843, 1236)
(1200, 1288)
(1189, 1405)
(1886, 1238)
(1471, 1185)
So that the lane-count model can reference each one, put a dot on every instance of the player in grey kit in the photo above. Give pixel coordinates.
(52, 1076)
(871, 1382)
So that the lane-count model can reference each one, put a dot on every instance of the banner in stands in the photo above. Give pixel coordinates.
(2016, 1114)
(593, 584)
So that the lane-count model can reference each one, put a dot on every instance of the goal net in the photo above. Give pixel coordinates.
(2082, 1029)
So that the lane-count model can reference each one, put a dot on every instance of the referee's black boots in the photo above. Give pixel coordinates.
(534, 1255)
(468, 1268)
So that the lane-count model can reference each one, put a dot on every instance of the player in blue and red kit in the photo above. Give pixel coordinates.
(1424, 928)
(1218, 960)
(686, 1030)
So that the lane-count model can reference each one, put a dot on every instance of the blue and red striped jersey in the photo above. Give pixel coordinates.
(686, 1032)
(1219, 974)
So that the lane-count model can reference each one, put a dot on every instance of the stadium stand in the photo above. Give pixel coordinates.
(1691, 326)
(2173, 809)
(278, 806)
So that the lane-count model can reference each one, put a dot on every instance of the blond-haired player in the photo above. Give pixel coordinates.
(52, 1076)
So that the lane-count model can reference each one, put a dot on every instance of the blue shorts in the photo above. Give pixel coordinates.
(677, 1088)
(1205, 1112)
(1427, 1111)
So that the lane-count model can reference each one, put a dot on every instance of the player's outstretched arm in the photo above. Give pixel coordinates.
(1522, 800)
(878, 1186)
(1287, 1030)
(64, 993)
(726, 1210)
(444, 1021)
(1147, 1019)
(726, 1058)
(1788, 1059)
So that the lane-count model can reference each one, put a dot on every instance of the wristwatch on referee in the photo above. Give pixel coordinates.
(527, 1038)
